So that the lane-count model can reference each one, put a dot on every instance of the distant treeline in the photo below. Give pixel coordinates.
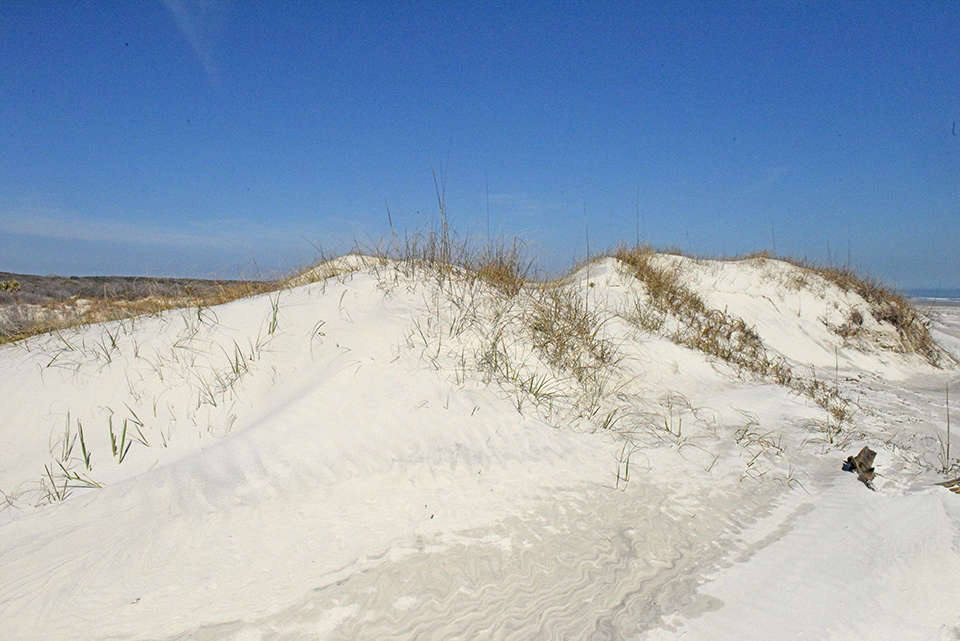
(26, 288)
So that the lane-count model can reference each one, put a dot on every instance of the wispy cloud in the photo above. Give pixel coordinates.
(49, 239)
(59, 224)
(772, 176)
(196, 20)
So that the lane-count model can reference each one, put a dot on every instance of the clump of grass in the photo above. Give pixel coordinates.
(889, 307)
(489, 298)
(852, 325)
(730, 339)
(119, 446)
(60, 479)
(667, 292)
(504, 267)
(719, 334)
(839, 409)
(710, 331)
(568, 334)
(885, 305)
(750, 434)
(448, 258)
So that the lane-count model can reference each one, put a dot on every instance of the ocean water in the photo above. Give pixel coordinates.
(930, 295)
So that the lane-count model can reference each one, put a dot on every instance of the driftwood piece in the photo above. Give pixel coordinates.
(862, 464)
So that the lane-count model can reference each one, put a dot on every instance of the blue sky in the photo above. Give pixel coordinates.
(194, 138)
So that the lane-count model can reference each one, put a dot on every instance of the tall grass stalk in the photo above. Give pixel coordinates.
(441, 188)
(83, 446)
(121, 447)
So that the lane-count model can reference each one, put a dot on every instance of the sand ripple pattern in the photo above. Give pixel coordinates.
(588, 563)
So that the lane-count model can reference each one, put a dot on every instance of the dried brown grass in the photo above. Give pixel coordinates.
(23, 319)
(886, 306)
(710, 331)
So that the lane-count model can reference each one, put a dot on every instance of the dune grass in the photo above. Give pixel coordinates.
(886, 305)
(539, 337)
(727, 337)
(560, 325)
(35, 306)
(711, 331)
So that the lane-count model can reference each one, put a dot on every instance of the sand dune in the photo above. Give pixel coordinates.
(391, 452)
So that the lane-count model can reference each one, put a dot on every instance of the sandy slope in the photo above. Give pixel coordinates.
(331, 462)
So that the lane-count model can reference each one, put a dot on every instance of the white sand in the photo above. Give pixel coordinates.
(331, 462)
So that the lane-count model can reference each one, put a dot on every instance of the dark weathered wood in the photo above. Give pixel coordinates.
(862, 464)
